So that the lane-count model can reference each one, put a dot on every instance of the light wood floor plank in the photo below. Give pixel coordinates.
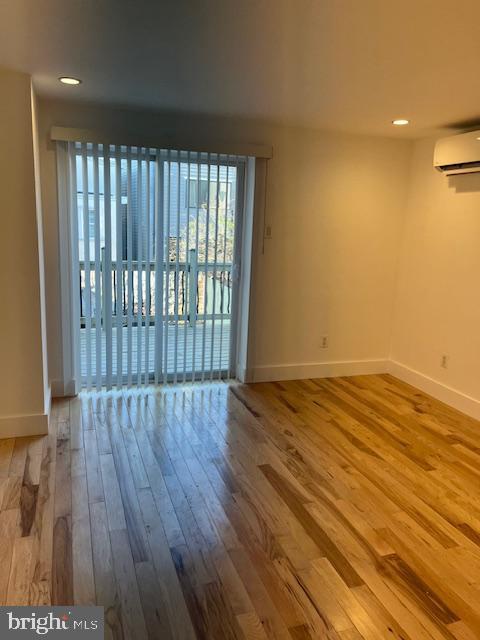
(106, 591)
(338, 509)
(133, 622)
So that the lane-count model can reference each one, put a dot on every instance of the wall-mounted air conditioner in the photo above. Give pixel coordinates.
(458, 154)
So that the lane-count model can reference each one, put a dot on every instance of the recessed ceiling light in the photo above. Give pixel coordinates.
(400, 122)
(67, 80)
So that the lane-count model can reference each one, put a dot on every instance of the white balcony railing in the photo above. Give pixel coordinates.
(196, 290)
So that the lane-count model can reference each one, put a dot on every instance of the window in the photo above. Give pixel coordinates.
(202, 191)
(155, 235)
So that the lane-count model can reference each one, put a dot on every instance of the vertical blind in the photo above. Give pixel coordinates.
(154, 246)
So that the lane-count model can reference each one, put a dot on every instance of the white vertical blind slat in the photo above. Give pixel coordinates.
(159, 272)
(107, 266)
(177, 269)
(167, 268)
(214, 275)
(197, 236)
(187, 272)
(235, 273)
(140, 223)
(86, 258)
(129, 269)
(119, 266)
(98, 276)
(222, 285)
(148, 258)
(205, 282)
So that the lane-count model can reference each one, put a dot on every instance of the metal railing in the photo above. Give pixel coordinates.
(190, 284)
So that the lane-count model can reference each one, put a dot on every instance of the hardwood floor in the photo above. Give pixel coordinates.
(345, 509)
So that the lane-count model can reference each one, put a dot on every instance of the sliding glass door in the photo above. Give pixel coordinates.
(155, 240)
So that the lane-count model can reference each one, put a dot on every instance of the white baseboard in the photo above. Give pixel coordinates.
(27, 425)
(318, 370)
(454, 398)
(33, 425)
(440, 391)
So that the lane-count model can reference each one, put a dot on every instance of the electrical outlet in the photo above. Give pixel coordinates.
(444, 361)
(324, 342)
(268, 231)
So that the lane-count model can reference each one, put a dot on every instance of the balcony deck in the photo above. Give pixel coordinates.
(205, 333)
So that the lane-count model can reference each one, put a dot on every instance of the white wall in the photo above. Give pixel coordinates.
(24, 391)
(335, 204)
(437, 308)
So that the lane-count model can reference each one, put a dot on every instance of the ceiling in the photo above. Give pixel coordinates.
(352, 65)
